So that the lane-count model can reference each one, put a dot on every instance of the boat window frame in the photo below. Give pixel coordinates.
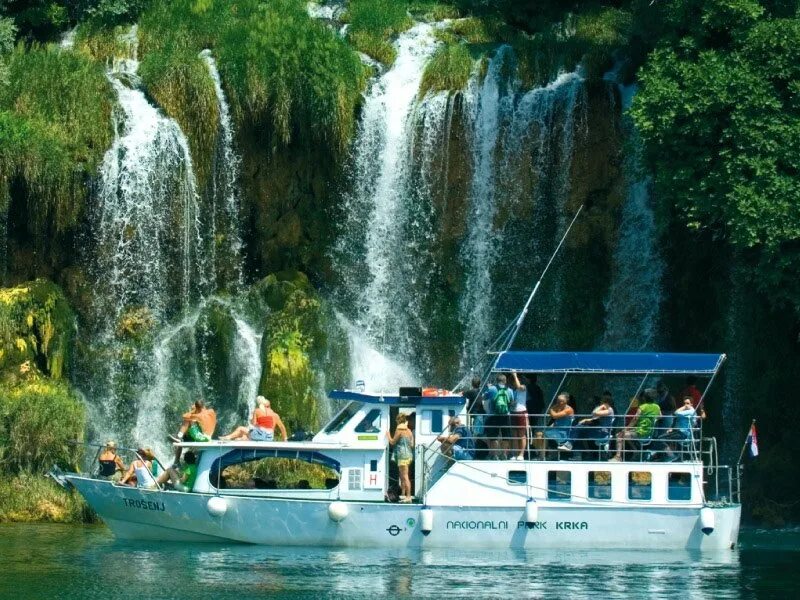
(593, 486)
(510, 477)
(558, 495)
(369, 418)
(343, 417)
(688, 487)
(632, 485)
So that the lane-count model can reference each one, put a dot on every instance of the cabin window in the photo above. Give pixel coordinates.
(354, 480)
(679, 486)
(640, 485)
(348, 412)
(432, 422)
(276, 474)
(517, 477)
(371, 423)
(559, 485)
(600, 485)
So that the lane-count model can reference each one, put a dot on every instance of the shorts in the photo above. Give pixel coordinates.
(558, 434)
(258, 434)
(403, 462)
(195, 434)
(498, 426)
(519, 422)
(461, 453)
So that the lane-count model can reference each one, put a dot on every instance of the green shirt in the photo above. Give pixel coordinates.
(648, 413)
(189, 475)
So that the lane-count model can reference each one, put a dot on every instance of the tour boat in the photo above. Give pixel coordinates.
(563, 502)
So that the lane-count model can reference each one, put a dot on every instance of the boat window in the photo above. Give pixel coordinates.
(371, 423)
(354, 480)
(276, 474)
(517, 477)
(559, 485)
(432, 422)
(640, 485)
(600, 485)
(343, 417)
(679, 486)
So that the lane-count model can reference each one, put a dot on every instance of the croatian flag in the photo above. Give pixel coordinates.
(752, 441)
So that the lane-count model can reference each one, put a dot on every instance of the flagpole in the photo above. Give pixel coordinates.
(744, 446)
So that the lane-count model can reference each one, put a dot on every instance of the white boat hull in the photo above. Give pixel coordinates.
(134, 513)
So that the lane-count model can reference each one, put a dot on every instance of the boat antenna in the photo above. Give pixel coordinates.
(524, 312)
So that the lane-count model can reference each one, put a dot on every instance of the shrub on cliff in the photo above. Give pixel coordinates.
(55, 125)
(448, 69)
(38, 419)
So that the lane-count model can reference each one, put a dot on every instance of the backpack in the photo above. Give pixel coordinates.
(502, 402)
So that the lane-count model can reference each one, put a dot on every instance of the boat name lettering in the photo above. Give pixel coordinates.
(144, 504)
(477, 525)
(536, 525)
(559, 525)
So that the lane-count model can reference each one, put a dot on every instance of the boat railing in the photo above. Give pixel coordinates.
(587, 437)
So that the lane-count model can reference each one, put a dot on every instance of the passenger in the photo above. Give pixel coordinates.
(458, 443)
(142, 469)
(683, 425)
(263, 424)
(666, 402)
(111, 465)
(498, 421)
(475, 406)
(181, 479)
(403, 442)
(519, 419)
(632, 409)
(562, 414)
(534, 404)
(643, 424)
(198, 424)
(692, 391)
(598, 426)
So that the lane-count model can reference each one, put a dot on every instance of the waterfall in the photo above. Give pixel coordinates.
(226, 190)
(523, 145)
(635, 295)
(373, 249)
(158, 252)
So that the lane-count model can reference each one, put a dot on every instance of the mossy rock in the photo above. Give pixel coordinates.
(37, 326)
(215, 334)
(29, 498)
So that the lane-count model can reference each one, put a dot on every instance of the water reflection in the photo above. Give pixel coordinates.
(79, 562)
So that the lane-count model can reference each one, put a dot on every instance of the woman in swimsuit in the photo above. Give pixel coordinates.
(142, 468)
(403, 442)
(111, 465)
(262, 428)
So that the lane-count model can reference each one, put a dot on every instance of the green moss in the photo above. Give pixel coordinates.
(432, 11)
(39, 417)
(55, 125)
(286, 75)
(29, 498)
(373, 24)
(448, 69)
(179, 81)
(476, 30)
(36, 327)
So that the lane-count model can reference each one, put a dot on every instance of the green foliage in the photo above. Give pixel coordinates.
(373, 24)
(55, 125)
(28, 498)
(36, 329)
(39, 417)
(431, 10)
(448, 69)
(285, 73)
(720, 119)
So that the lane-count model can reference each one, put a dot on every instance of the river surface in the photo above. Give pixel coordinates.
(54, 561)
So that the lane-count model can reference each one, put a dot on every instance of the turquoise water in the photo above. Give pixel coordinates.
(52, 561)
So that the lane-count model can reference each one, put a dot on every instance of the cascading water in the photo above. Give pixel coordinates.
(635, 295)
(225, 190)
(152, 255)
(523, 145)
(377, 211)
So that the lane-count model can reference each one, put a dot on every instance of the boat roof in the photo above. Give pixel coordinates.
(446, 400)
(621, 363)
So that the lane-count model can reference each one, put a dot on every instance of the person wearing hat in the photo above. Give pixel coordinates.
(142, 469)
(111, 465)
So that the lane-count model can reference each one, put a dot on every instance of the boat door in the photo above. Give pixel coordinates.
(393, 481)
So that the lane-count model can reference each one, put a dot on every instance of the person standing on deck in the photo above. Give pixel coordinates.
(403, 442)
(519, 418)
(475, 406)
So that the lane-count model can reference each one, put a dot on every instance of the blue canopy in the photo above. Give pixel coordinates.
(449, 400)
(609, 362)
